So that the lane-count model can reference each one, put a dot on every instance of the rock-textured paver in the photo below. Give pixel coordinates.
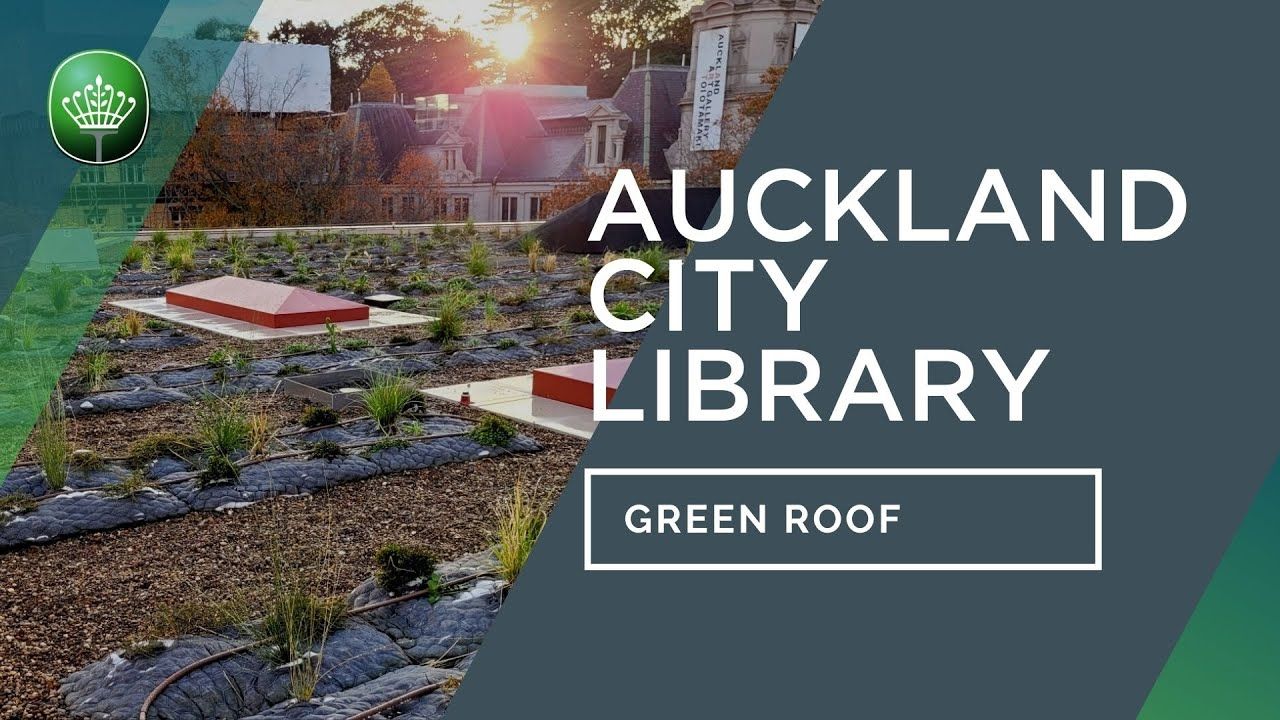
(369, 659)
(92, 503)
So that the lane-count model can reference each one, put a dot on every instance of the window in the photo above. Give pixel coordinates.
(602, 133)
(451, 159)
(177, 215)
(510, 208)
(131, 173)
(439, 208)
(96, 217)
(408, 204)
(535, 207)
(388, 206)
(93, 175)
(461, 206)
(133, 217)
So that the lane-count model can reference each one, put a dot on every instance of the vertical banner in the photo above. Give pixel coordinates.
(708, 89)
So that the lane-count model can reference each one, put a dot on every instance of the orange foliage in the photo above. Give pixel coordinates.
(566, 195)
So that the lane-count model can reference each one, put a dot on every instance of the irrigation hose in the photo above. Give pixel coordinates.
(233, 651)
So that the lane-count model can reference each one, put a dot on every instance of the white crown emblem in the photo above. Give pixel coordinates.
(105, 108)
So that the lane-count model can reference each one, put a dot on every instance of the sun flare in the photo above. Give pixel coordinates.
(510, 40)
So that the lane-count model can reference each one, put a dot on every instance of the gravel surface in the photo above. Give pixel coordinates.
(66, 604)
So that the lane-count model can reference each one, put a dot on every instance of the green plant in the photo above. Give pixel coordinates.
(401, 339)
(218, 469)
(331, 335)
(507, 342)
(624, 310)
(159, 241)
(191, 617)
(134, 254)
(314, 416)
(581, 315)
(52, 447)
(129, 488)
(361, 285)
(528, 243)
(469, 228)
(518, 523)
(226, 358)
(290, 370)
(399, 567)
(262, 434)
(60, 288)
(655, 256)
(180, 255)
(95, 369)
(326, 450)
(356, 344)
(653, 307)
(493, 431)
(451, 316)
(296, 623)
(387, 398)
(17, 504)
(86, 461)
(479, 263)
(295, 348)
(386, 443)
(438, 233)
(222, 426)
(153, 447)
(132, 324)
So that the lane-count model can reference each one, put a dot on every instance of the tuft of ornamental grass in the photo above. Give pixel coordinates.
(53, 448)
(95, 369)
(493, 431)
(134, 254)
(451, 315)
(262, 434)
(549, 263)
(180, 255)
(388, 397)
(59, 289)
(222, 426)
(398, 567)
(293, 634)
(132, 324)
(656, 257)
(479, 260)
(518, 522)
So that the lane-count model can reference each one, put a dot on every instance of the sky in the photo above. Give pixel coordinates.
(466, 14)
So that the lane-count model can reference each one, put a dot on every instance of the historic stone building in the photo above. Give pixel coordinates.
(757, 35)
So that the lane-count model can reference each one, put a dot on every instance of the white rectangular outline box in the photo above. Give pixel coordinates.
(1095, 566)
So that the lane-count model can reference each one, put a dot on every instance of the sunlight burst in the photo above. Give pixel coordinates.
(510, 40)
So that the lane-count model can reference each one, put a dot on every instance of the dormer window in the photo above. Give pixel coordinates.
(602, 142)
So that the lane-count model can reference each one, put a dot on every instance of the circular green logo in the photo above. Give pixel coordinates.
(98, 107)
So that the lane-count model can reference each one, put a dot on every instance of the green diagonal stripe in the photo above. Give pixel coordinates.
(48, 305)
(1227, 662)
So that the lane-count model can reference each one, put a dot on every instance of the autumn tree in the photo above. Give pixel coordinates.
(417, 176)
(378, 86)
(567, 194)
(242, 169)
